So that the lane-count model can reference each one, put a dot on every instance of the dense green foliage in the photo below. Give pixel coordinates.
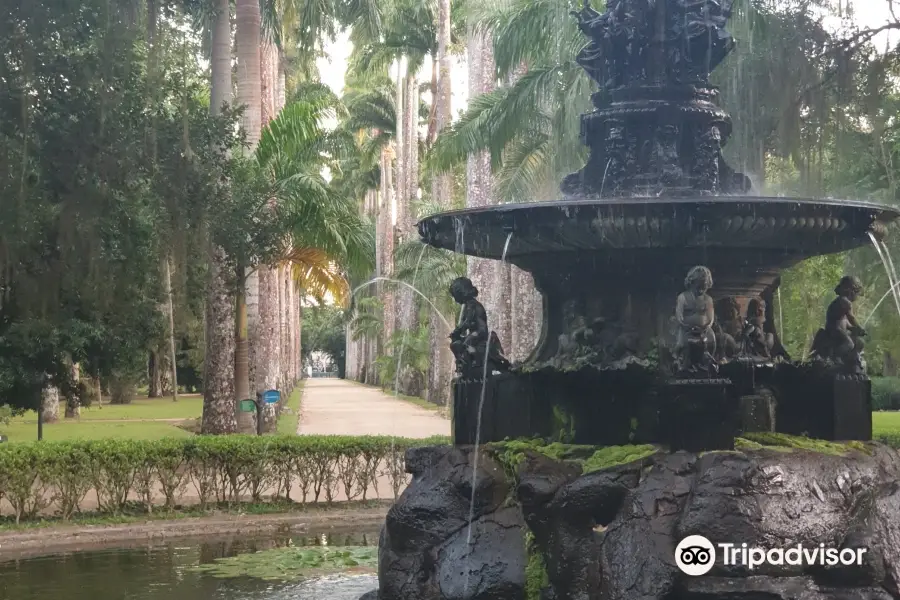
(37, 476)
(99, 189)
(886, 393)
(324, 330)
(112, 172)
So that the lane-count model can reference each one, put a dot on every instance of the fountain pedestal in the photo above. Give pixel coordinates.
(825, 405)
(700, 415)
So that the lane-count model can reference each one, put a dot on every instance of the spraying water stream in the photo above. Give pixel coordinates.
(487, 351)
(891, 290)
(888, 268)
(434, 307)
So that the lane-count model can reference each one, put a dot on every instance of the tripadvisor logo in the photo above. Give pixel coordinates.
(695, 555)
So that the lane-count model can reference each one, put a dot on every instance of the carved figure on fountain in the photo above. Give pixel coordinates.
(469, 341)
(699, 27)
(653, 103)
(695, 345)
(706, 159)
(840, 341)
(727, 328)
(578, 339)
(756, 343)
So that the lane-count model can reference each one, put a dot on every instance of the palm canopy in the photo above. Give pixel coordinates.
(529, 127)
(327, 236)
(409, 29)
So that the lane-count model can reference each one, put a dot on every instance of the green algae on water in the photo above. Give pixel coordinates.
(293, 563)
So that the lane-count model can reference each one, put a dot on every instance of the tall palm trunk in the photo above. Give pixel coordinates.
(492, 278)
(526, 302)
(386, 234)
(249, 91)
(407, 317)
(441, 368)
(219, 365)
(266, 339)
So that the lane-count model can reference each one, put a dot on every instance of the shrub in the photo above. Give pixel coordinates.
(886, 393)
(38, 475)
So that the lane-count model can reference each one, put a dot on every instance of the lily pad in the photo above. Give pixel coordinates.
(293, 563)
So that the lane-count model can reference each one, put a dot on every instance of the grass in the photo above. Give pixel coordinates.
(143, 419)
(72, 429)
(886, 423)
(287, 424)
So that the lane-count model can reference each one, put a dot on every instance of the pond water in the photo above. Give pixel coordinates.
(164, 571)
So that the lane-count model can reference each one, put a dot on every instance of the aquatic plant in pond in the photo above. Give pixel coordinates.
(292, 563)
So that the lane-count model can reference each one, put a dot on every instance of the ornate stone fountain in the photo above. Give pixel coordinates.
(638, 348)
(655, 199)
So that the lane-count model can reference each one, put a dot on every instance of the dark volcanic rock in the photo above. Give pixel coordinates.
(426, 552)
(612, 534)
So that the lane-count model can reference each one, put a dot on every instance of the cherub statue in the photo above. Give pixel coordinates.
(755, 341)
(472, 340)
(695, 346)
(841, 338)
(727, 327)
(578, 335)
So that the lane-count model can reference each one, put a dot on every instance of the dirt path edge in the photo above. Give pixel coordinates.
(31, 543)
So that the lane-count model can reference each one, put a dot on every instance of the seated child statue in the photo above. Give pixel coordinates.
(841, 338)
(695, 346)
(727, 328)
(469, 341)
(756, 342)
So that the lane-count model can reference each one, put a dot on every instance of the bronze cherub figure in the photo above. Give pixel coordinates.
(472, 341)
(695, 346)
(841, 338)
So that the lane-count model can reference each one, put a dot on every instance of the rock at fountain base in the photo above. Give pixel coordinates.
(699, 415)
(610, 534)
(425, 551)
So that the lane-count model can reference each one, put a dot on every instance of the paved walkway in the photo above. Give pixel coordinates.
(338, 407)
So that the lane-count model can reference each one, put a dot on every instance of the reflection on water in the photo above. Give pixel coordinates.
(162, 572)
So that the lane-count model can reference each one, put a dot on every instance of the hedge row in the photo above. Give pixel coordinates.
(886, 393)
(38, 476)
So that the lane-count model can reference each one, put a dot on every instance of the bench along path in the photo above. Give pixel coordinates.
(338, 407)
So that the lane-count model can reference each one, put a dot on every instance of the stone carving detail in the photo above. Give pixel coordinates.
(695, 346)
(727, 327)
(840, 341)
(755, 342)
(656, 129)
(472, 341)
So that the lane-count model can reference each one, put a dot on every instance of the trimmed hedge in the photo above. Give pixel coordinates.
(38, 476)
(886, 393)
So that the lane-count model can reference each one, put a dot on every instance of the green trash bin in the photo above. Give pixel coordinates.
(248, 406)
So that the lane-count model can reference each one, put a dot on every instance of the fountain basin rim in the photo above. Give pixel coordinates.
(788, 229)
(892, 212)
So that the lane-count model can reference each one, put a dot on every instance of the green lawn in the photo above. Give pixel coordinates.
(187, 407)
(107, 421)
(886, 423)
(287, 424)
(92, 430)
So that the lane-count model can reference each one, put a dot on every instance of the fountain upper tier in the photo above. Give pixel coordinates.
(793, 228)
(625, 260)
